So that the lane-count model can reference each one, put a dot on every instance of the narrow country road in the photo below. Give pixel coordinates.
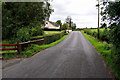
(75, 57)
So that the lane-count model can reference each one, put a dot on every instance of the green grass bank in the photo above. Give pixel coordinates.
(33, 49)
(105, 50)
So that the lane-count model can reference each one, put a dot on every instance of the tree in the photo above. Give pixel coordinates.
(64, 26)
(104, 25)
(16, 15)
(74, 26)
(71, 24)
(58, 22)
(68, 21)
(111, 13)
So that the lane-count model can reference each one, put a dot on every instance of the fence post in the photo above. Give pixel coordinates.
(18, 48)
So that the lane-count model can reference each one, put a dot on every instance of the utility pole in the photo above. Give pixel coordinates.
(98, 20)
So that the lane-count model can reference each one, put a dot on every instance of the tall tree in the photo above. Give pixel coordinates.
(64, 26)
(74, 26)
(58, 22)
(16, 15)
(111, 13)
(69, 21)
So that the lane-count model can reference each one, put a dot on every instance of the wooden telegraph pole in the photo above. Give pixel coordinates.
(98, 20)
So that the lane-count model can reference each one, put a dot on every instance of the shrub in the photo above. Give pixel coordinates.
(115, 54)
(95, 34)
(115, 40)
(23, 34)
(35, 31)
(104, 35)
(51, 38)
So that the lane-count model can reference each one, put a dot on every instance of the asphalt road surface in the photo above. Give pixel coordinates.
(75, 57)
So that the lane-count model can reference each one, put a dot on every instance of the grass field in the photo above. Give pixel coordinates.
(51, 32)
(105, 50)
(101, 29)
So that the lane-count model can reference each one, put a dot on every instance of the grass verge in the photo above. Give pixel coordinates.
(105, 50)
(33, 49)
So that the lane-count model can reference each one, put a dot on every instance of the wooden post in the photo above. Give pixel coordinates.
(18, 48)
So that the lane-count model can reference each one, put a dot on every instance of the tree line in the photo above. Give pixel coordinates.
(110, 12)
(18, 18)
(68, 24)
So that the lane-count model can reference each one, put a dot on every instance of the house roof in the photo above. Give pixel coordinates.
(54, 24)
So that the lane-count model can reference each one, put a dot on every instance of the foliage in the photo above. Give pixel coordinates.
(64, 26)
(104, 34)
(58, 22)
(115, 39)
(51, 32)
(35, 31)
(104, 25)
(23, 34)
(17, 15)
(105, 50)
(115, 35)
(33, 49)
(111, 13)
(74, 26)
(51, 38)
(70, 23)
(36, 37)
(78, 29)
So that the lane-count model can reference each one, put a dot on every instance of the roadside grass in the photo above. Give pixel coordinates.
(105, 50)
(33, 49)
(32, 38)
(7, 42)
(51, 32)
(10, 51)
(36, 37)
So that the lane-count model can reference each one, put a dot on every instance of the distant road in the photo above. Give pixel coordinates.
(74, 57)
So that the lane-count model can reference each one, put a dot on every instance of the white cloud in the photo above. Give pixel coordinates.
(83, 12)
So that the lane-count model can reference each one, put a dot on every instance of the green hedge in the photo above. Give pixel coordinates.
(104, 34)
(51, 38)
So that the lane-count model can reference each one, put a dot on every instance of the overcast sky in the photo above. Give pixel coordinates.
(83, 12)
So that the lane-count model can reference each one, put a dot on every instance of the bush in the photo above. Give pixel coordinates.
(51, 38)
(35, 31)
(23, 34)
(115, 54)
(104, 35)
(115, 40)
(115, 35)
(95, 34)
